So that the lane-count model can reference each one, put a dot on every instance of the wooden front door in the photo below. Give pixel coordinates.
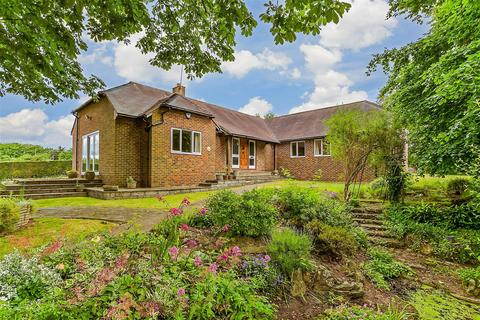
(243, 154)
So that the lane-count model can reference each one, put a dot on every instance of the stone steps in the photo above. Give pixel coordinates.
(50, 195)
(48, 188)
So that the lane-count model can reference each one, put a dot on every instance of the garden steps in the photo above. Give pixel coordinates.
(48, 188)
(51, 195)
(369, 218)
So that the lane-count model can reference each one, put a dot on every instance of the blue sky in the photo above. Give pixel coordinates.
(313, 72)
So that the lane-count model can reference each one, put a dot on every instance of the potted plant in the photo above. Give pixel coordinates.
(235, 173)
(131, 183)
(90, 175)
(79, 187)
(72, 174)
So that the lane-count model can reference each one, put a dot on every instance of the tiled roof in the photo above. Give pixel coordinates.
(311, 124)
(135, 100)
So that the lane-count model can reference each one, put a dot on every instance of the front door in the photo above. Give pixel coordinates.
(243, 154)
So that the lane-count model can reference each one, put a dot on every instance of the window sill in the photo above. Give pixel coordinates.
(297, 157)
(322, 155)
(186, 153)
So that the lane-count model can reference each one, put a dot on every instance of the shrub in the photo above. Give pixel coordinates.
(224, 297)
(72, 174)
(297, 205)
(345, 312)
(382, 268)
(377, 188)
(335, 241)
(457, 186)
(25, 279)
(9, 215)
(251, 214)
(290, 251)
(34, 169)
(284, 172)
(471, 279)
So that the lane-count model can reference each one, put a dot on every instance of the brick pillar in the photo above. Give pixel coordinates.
(229, 154)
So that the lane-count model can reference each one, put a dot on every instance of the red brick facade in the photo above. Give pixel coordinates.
(131, 147)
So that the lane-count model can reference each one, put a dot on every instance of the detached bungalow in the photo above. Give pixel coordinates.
(165, 139)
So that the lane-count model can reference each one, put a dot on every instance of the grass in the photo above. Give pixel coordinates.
(45, 230)
(170, 201)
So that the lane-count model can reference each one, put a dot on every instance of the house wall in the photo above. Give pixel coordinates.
(172, 169)
(98, 116)
(220, 153)
(305, 168)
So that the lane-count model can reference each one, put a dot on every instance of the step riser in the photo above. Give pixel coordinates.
(37, 191)
(56, 181)
(367, 216)
(49, 186)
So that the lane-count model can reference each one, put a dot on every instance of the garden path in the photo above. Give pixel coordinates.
(143, 218)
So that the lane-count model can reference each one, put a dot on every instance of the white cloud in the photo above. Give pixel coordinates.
(363, 25)
(99, 55)
(130, 63)
(246, 61)
(257, 105)
(33, 126)
(295, 73)
(331, 87)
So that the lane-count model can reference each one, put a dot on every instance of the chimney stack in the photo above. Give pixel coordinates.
(179, 89)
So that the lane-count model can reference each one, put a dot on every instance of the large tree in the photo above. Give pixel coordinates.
(40, 40)
(433, 85)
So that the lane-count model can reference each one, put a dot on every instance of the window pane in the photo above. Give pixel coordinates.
(251, 148)
(176, 140)
(97, 152)
(196, 142)
(235, 161)
(318, 147)
(251, 162)
(91, 150)
(326, 148)
(186, 141)
(293, 146)
(84, 154)
(301, 149)
(235, 146)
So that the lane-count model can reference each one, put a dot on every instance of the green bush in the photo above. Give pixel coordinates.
(9, 215)
(335, 241)
(25, 279)
(377, 189)
(290, 251)
(34, 169)
(383, 267)
(224, 297)
(345, 312)
(457, 186)
(250, 214)
(471, 279)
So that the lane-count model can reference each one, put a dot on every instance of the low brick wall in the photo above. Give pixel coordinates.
(25, 215)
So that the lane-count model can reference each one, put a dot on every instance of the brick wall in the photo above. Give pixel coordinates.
(305, 168)
(171, 169)
(98, 116)
(220, 153)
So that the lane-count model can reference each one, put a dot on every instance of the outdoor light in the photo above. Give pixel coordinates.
(188, 115)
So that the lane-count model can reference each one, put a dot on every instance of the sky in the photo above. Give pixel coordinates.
(312, 72)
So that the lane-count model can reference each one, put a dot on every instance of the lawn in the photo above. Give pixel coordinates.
(45, 230)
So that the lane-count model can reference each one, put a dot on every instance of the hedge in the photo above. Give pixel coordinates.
(34, 169)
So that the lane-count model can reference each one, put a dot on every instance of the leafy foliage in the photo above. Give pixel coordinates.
(334, 241)
(249, 214)
(30, 152)
(382, 268)
(40, 42)
(345, 312)
(290, 251)
(432, 84)
(362, 138)
(9, 215)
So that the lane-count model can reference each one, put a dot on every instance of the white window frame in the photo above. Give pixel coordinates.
(236, 155)
(254, 156)
(296, 148)
(181, 134)
(321, 154)
(87, 136)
